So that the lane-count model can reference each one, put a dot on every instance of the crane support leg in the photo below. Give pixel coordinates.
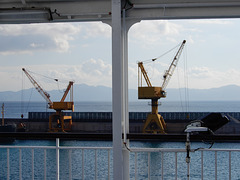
(60, 123)
(155, 123)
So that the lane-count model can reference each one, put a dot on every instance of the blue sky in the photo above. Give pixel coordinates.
(82, 52)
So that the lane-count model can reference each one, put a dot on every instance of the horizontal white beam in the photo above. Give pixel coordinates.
(185, 5)
(197, 10)
(61, 10)
(100, 10)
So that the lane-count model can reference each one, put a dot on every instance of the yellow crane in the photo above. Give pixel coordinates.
(57, 120)
(155, 122)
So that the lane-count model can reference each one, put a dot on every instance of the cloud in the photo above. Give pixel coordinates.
(92, 72)
(56, 37)
(162, 32)
(205, 77)
(147, 34)
(151, 32)
(195, 77)
(201, 72)
(96, 29)
(96, 72)
(25, 44)
(211, 21)
(37, 37)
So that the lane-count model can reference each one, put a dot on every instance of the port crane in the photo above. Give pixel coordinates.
(57, 120)
(155, 122)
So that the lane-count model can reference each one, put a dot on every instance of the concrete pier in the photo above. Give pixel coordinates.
(101, 122)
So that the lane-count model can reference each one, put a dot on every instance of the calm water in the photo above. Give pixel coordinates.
(15, 109)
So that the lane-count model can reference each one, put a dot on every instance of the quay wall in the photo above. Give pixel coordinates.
(132, 115)
(101, 122)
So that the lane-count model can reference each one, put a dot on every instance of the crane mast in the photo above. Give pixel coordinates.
(144, 74)
(66, 92)
(155, 122)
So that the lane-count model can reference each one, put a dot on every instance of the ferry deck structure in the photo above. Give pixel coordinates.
(121, 15)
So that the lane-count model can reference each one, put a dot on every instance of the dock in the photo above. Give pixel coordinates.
(101, 122)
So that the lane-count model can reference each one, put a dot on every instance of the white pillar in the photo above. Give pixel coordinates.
(125, 120)
(120, 118)
(57, 159)
(117, 89)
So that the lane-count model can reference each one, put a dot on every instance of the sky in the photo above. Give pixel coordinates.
(82, 52)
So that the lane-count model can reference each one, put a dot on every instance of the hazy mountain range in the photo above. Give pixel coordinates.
(83, 92)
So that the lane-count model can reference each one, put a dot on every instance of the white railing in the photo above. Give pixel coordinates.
(76, 162)
(58, 166)
(204, 164)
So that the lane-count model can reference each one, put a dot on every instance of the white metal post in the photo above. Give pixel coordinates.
(32, 164)
(57, 158)
(117, 90)
(230, 165)
(70, 163)
(176, 166)
(120, 29)
(82, 163)
(8, 164)
(20, 164)
(125, 76)
(215, 165)
(45, 164)
(126, 174)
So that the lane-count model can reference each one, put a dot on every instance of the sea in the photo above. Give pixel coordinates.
(74, 158)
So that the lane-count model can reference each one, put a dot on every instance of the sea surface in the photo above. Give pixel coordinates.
(74, 158)
(15, 109)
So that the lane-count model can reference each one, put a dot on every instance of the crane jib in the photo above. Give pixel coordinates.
(167, 76)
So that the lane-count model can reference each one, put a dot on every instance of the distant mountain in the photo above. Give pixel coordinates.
(224, 93)
(83, 92)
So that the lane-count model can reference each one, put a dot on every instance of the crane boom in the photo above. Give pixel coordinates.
(144, 73)
(43, 93)
(168, 74)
